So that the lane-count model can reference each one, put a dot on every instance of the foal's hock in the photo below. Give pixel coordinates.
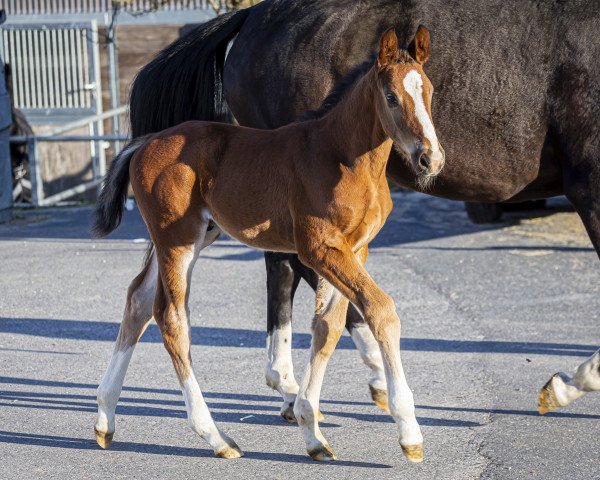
(316, 188)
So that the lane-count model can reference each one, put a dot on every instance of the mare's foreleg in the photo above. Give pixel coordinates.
(138, 312)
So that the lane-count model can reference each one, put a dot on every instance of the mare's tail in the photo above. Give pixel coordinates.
(185, 80)
(109, 207)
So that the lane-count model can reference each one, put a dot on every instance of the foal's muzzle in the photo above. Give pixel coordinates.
(429, 162)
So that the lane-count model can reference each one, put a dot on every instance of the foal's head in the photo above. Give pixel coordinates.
(404, 106)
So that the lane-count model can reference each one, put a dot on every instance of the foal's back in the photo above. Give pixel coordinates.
(241, 177)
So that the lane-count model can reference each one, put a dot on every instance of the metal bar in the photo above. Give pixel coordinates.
(71, 192)
(98, 127)
(44, 68)
(30, 78)
(69, 138)
(56, 74)
(40, 97)
(85, 121)
(48, 54)
(80, 67)
(113, 78)
(35, 173)
(16, 54)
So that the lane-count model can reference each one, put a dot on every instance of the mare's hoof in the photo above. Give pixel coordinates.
(380, 397)
(547, 400)
(230, 451)
(323, 453)
(413, 453)
(103, 439)
(288, 414)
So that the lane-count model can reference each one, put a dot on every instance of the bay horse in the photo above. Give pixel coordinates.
(316, 188)
(517, 109)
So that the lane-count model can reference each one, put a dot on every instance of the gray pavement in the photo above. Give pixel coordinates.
(488, 315)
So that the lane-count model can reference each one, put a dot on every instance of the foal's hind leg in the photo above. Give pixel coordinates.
(172, 315)
(138, 312)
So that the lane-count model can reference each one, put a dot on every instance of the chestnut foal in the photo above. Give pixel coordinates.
(316, 187)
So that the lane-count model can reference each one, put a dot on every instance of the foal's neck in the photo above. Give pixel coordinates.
(354, 125)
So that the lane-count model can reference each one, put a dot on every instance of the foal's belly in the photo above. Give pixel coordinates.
(256, 228)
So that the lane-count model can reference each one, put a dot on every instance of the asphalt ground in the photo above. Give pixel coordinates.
(489, 313)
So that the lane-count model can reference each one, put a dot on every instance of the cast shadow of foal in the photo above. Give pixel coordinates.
(244, 338)
(55, 441)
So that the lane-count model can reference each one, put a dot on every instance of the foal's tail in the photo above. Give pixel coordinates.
(185, 80)
(109, 208)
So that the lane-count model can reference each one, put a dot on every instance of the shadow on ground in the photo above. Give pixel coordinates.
(239, 337)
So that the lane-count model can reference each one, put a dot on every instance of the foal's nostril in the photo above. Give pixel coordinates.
(424, 162)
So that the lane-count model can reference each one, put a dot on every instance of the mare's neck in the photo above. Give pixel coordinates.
(354, 128)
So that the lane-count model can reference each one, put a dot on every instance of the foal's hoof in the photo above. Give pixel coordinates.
(287, 414)
(103, 439)
(413, 453)
(380, 397)
(323, 453)
(230, 451)
(547, 399)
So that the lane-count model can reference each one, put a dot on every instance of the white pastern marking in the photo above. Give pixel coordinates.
(370, 353)
(413, 84)
(198, 414)
(110, 389)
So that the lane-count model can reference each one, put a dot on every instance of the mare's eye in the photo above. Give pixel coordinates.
(391, 99)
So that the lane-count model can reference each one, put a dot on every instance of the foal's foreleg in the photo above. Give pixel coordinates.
(369, 350)
(340, 267)
(138, 312)
(563, 389)
(327, 327)
(172, 315)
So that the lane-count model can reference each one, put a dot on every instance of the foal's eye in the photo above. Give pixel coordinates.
(391, 99)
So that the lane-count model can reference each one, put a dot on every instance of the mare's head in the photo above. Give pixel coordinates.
(404, 106)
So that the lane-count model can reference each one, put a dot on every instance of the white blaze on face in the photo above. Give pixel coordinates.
(413, 84)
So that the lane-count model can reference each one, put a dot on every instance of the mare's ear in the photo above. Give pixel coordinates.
(388, 48)
(419, 47)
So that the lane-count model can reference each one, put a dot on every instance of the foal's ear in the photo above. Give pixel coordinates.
(419, 47)
(388, 48)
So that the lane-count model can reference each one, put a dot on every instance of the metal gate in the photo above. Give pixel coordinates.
(56, 80)
(56, 70)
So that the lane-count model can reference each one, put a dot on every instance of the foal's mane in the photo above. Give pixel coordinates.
(344, 85)
(340, 88)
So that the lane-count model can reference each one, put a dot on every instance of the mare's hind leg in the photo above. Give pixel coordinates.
(138, 312)
(562, 389)
(175, 263)
(581, 187)
(282, 282)
(337, 263)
